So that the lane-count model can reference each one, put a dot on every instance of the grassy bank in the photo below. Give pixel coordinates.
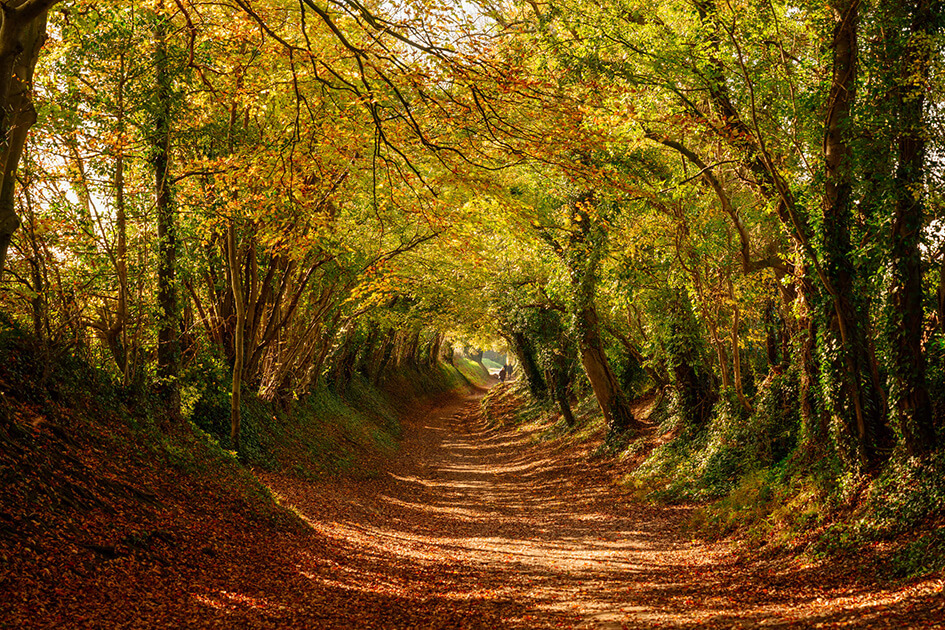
(329, 431)
(760, 480)
(473, 373)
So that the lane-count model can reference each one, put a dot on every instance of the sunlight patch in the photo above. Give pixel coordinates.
(230, 601)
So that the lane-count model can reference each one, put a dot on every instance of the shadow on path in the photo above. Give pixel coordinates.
(478, 527)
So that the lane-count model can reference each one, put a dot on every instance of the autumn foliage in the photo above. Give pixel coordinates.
(263, 228)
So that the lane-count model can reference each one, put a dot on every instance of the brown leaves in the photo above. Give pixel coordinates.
(473, 527)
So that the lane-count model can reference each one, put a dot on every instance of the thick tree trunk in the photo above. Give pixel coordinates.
(22, 34)
(368, 349)
(475, 354)
(586, 245)
(525, 351)
(859, 403)
(343, 361)
(695, 389)
(913, 404)
(447, 352)
(383, 356)
(412, 349)
(436, 345)
(560, 380)
(610, 396)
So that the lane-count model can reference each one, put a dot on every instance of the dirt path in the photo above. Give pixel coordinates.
(480, 528)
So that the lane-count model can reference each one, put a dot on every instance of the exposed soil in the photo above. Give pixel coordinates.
(469, 527)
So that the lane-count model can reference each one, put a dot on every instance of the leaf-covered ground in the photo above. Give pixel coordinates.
(469, 527)
(503, 531)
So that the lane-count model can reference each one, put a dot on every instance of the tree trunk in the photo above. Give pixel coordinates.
(941, 294)
(168, 354)
(736, 353)
(857, 401)
(475, 354)
(368, 349)
(383, 356)
(913, 404)
(238, 345)
(39, 286)
(22, 34)
(561, 386)
(610, 396)
(410, 349)
(772, 185)
(448, 352)
(771, 334)
(122, 227)
(582, 256)
(694, 386)
(343, 361)
(523, 348)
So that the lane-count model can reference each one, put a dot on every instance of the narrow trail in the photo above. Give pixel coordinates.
(486, 528)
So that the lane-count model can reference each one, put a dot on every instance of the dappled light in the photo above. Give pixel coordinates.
(472, 314)
(231, 602)
(533, 532)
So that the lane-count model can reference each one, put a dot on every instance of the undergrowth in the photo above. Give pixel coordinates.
(509, 404)
(759, 478)
(325, 432)
(56, 395)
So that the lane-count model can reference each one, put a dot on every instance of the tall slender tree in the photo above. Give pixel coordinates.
(168, 349)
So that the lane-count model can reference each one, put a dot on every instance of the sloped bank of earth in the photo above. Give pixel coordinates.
(96, 534)
(107, 521)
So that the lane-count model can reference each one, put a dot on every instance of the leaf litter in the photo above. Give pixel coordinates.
(469, 526)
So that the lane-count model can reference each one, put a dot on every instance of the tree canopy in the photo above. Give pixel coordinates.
(726, 200)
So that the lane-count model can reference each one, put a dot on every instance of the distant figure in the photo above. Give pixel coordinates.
(502, 374)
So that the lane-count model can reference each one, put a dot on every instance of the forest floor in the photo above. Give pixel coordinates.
(467, 527)
(478, 527)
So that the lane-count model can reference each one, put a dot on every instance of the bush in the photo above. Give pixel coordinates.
(709, 462)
